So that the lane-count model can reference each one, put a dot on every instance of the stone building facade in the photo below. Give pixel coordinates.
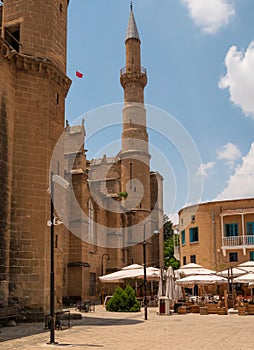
(217, 235)
(33, 88)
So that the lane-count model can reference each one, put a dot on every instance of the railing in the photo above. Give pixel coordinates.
(234, 241)
(123, 70)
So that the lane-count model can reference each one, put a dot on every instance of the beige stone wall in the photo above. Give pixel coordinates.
(43, 27)
(6, 151)
(32, 92)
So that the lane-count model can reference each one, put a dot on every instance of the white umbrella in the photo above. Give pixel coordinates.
(191, 280)
(160, 289)
(170, 284)
(132, 267)
(130, 272)
(235, 272)
(247, 266)
(194, 269)
(246, 278)
(178, 288)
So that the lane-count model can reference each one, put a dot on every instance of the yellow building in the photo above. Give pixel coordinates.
(218, 234)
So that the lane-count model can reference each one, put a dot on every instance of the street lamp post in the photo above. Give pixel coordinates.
(52, 268)
(108, 259)
(63, 183)
(102, 271)
(144, 260)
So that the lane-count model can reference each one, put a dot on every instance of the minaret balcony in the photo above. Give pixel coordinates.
(138, 78)
(124, 71)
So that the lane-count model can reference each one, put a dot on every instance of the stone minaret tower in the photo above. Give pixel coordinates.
(135, 157)
(33, 87)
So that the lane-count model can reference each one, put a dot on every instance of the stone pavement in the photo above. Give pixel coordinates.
(128, 331)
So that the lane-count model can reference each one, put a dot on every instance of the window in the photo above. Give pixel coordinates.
(193, 218)
(193, 259)
(184, 260)
(92, 284)
(194, 234)
(90, 222)
(183, 237)
(233, 257)
(131, 175)
(231, 230)
(251, 256)
(250, 228)
(12, 36)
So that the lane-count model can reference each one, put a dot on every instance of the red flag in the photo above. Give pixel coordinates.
(78, 74)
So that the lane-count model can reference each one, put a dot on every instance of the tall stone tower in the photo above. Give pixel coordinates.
(33, 87)
(135, 157)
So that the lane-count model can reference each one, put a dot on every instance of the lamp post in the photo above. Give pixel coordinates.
(65, 184)
(144, 260)
(108, 259)
(102, 289)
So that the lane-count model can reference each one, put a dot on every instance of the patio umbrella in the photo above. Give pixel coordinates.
(236, 272)
(130, 271)
(170, 284)
(160, 289)
(178, 288)
(190, 281)
(246, 278)
(194, 269)
(132, 267)
(247, 266)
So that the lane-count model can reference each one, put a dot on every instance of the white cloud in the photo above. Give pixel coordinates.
(240, 78)
(230, 153)
(210, 15)
(173, 217)
(240, 184)
(204, 167)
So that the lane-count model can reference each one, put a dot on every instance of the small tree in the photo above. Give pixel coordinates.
(123, 300)
(169, 259)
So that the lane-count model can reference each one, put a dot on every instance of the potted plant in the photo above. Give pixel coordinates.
(123, 194)
(250, 309)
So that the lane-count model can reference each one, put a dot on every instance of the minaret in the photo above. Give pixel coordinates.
(135, 157)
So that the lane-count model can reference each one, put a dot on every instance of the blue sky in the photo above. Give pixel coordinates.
(199, 57)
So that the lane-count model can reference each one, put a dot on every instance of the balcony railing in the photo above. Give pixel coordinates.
(234, 241)
(123, 70)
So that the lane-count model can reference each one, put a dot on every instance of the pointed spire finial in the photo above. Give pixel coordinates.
(132, 30)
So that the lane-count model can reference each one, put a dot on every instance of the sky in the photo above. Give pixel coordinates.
(199, 56)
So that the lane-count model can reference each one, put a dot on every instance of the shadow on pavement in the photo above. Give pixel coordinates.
(27, 329)
(97, 321)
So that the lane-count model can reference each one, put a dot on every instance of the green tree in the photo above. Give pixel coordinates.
(167, 227)
(123, 300)
(169, 259)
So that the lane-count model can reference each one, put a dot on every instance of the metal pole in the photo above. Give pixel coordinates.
(145, 281)
(144, 259)
(52, 268)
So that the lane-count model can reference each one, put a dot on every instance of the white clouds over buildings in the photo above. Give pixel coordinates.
(230, 153)
(204, 168)
(240, 184)
(210, 15)
(239, 79)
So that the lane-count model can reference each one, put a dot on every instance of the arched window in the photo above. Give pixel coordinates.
(91, 221)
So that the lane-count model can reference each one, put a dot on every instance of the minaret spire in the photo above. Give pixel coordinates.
(132, 30)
